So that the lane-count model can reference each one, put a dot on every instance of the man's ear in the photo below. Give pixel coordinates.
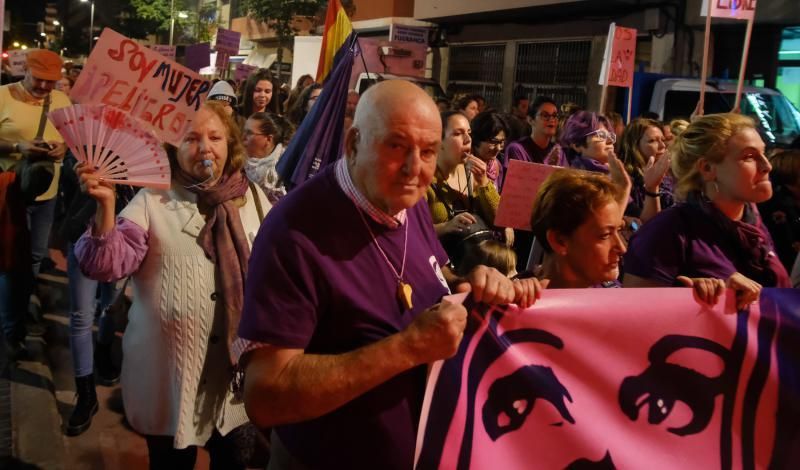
(351, 140)
(706, 169)
(557, 242)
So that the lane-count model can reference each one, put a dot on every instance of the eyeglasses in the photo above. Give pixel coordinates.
(604, 135)
(547, 117)
(496, 142)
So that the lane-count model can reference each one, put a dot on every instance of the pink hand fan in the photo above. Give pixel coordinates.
(115, 143)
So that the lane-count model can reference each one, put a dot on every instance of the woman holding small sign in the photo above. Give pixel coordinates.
(186, 250)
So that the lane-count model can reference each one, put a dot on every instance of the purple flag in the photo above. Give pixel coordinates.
(318, 140)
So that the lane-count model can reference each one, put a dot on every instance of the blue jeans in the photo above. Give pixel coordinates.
(40, 221)
(15, 292)
(82, 296)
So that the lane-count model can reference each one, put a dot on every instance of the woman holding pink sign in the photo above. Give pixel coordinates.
(186, 249)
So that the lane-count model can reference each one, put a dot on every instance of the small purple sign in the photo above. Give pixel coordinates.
(198, 56)
(227, 41)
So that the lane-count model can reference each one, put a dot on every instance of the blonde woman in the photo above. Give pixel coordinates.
(716, 234)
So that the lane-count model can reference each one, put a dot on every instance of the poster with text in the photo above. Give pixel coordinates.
(158, 91)
(731, 9)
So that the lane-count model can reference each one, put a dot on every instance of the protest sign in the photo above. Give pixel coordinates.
(732, 9)
(243, 71)
(618, 378)
(227, 41)
(618, 62)
(623, 53)
(522, 182)
(165, 50)
(198, 56)
(16, 62)
(221, 63)
(158, 91)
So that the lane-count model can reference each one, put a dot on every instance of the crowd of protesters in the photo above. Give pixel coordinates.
(319, 322)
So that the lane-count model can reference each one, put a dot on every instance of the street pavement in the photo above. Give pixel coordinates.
(37, 395)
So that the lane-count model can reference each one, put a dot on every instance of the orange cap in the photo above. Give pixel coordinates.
(44, 64)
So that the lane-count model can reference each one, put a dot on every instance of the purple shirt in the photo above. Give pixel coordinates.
(683, 241)
(636, 205)
(589, 164)
(317, 282)
(526, 150)
(114, 255)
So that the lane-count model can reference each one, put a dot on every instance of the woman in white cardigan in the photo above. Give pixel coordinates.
(187, 250)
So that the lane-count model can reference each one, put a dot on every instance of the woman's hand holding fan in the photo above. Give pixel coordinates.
(117, 146)
(103, 192)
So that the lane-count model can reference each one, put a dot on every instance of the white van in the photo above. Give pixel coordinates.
(778, 119)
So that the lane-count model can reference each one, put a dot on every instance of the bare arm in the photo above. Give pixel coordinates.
(654, 173)
(286, 385)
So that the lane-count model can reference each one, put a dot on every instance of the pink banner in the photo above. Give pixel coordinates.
(158, 91)
(623, 53)
(619, 378)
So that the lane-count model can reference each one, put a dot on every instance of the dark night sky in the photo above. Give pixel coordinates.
(29, 10)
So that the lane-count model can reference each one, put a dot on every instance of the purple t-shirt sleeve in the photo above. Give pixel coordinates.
(657, 251)
(281, 296)
(516, 151)
(114, 255)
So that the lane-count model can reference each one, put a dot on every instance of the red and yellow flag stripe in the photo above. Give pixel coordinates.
(337, 29)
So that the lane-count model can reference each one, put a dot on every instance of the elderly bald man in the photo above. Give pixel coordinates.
(343, 304)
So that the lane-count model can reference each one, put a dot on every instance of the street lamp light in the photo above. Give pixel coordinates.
(171, 21)
(91, 24)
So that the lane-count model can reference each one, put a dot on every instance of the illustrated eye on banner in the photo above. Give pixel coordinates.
(619, 378)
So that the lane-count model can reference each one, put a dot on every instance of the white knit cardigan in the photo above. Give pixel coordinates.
(175, 371)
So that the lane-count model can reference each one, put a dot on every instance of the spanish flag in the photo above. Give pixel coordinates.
(337, 29)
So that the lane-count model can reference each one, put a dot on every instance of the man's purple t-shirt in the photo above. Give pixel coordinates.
(317, 282)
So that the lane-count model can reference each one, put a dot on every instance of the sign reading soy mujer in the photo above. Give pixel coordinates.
(158, 91)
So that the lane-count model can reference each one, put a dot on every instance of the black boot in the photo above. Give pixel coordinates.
(107, 371)
(85, 408)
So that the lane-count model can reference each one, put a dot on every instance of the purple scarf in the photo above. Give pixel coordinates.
(757, 259)
(224, 242)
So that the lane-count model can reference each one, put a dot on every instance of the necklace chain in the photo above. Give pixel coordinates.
(399, 275)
